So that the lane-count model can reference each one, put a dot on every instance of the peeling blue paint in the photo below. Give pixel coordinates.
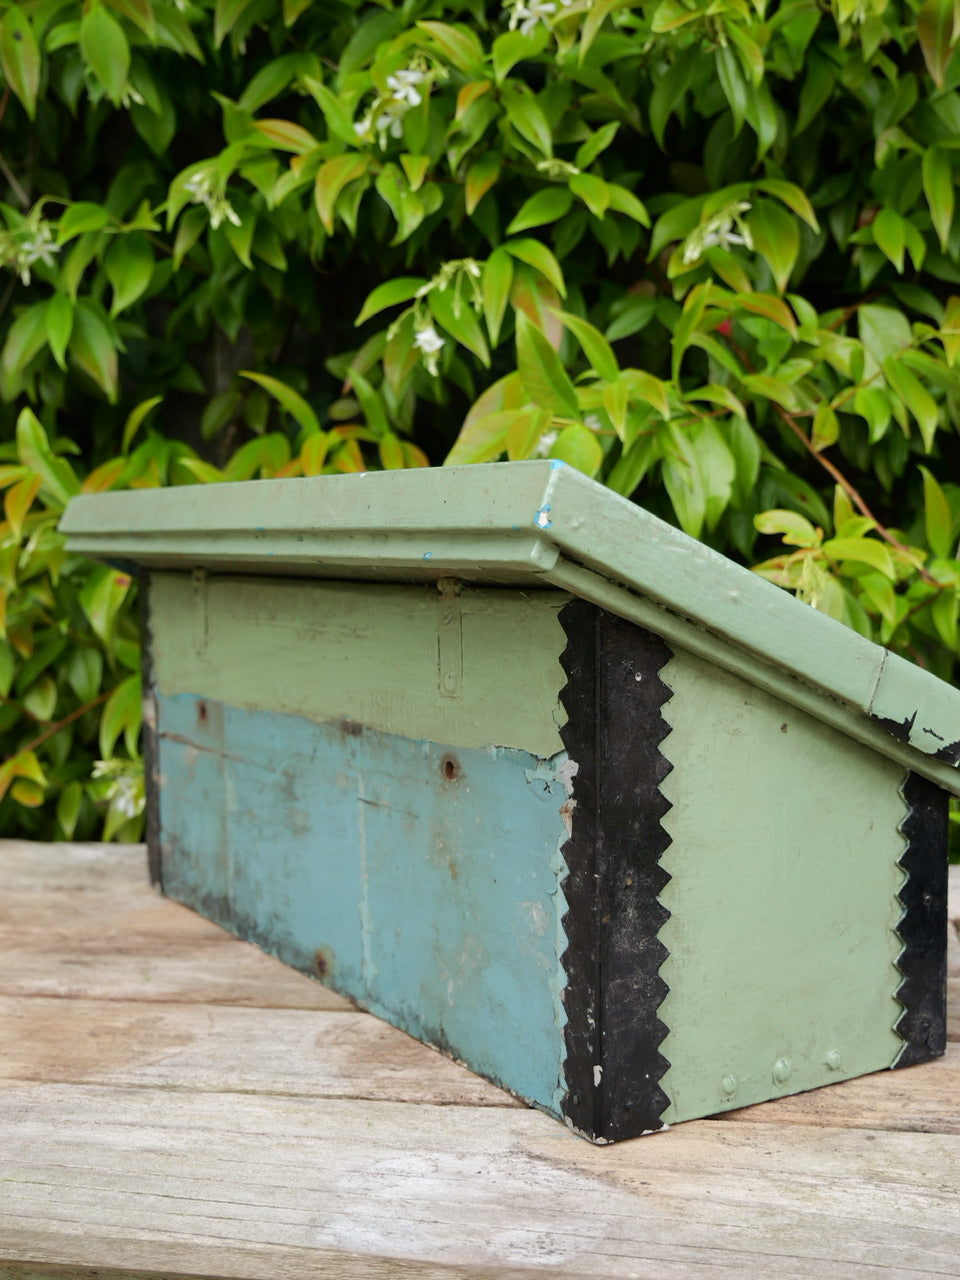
(427, 877)
(542, 518)
(428, 555)
(556, 464)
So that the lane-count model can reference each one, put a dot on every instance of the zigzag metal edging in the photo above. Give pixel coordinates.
(923, 926)
(614, 990)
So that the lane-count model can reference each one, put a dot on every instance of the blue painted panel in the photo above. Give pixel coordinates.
(425, 877)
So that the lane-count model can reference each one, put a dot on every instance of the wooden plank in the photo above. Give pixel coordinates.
(87, 1169)
(296, 1052)
(82, 920)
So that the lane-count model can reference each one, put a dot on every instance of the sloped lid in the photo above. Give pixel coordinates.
(538, 523)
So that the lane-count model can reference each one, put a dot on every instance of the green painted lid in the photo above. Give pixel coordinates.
(545, 524)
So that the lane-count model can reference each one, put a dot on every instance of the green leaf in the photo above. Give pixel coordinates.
(495, 286)
(544, 378)
(121, 714)
(459, 45)
(68, 808)
(513, 46)
(624, 201)
(795, 529)
(371, 403)
(593, 191)
(792, 197)
(776, 238)
(595, 346)
(527, 117)
(645, 386)
(935, 28)
(331, 179)
(889, 236)
(289, 399)
(482, 439)
(84, 671)
(915, 396)
(595, 144)
(56, 476)
(17, 501)
(59, 321)
(734, 85)
(135, 418)
(945, 612)
(79, 218)
(338, 119)
(93, 350)
(285, 135)
(537, 255)
(20, 57)
(580, 448)
(105, 50)
(548, 205)
(481, 176)
(950, 330)
(25, 337)
(389, 294)
(775, 309)
(938, 188)
(101, 598)
(693, 309)
(865, 551)
(128, 264)
(460, 322)
(826, 427)
(937, 519)
(226, 16)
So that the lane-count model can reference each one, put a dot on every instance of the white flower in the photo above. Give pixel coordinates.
(390, 122)
(38, 247)
(429, 343)
(403, 86)
(724, 229)
(545, 444)
(527, 14)
(201, 190)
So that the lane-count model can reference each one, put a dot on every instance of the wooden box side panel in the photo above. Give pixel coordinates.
(415, 873)
(783, 898)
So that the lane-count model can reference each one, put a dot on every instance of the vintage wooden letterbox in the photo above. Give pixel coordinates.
(542, 781)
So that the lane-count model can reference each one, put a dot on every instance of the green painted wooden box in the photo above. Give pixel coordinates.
(542, 781)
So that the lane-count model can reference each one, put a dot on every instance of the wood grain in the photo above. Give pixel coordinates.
(191, 1136)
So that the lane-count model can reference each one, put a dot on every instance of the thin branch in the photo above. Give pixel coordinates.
(55, 727)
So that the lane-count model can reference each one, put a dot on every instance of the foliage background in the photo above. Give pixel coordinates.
(707, 252)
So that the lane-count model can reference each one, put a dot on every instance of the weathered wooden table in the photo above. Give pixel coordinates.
(174, 1103)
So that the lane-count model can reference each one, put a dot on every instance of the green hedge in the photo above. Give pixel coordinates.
(707, 253)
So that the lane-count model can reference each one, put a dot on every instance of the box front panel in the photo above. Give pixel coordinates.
(326, 792)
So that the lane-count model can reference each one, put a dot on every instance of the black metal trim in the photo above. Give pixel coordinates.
(614, 729)
(581, 960)
(151, 768)
(923, 925)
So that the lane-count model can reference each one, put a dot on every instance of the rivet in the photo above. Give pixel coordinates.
(728, 1086)
(833, 1060)
(782, 1070)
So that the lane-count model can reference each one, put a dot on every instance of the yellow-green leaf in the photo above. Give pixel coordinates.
(938, 188)
(331, 179)
(20, 57)
(105, 50)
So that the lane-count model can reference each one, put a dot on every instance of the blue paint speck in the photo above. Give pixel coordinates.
(556, 464)
(428, 555)
(542, 518)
